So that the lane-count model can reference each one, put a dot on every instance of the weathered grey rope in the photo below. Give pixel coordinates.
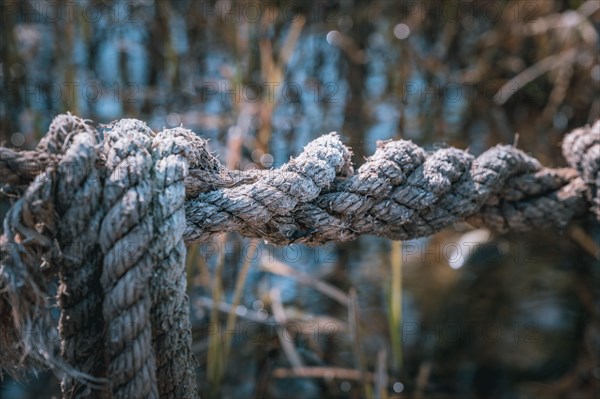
(23, 289)
(126, 235)
(30, 250)
(171, 329)
(19, 168)
(77, 196)
(249, 207)
(401, 192)
(581, 148)
(116, 212)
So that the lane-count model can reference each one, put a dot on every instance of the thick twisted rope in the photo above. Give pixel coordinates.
(67, 190)
(111, 216)
(126, 235)
(171, 330)
(77, 198)
(401, 192)
(581, 148)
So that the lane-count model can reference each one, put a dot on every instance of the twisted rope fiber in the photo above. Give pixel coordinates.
(115, 213)
(123, 267)
(33, 219)
(77, 198)
(581, 148)
(171, 329)
(126, 234)
(401, 192)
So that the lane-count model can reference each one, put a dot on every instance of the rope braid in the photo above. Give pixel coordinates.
(111, 219)
(77, 198)
(401, 192)
(125, 237)
(249, 206)
(581, 148)
(30, 251)
(171, 329)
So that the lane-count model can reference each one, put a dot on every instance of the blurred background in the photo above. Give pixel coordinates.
(462, 314)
